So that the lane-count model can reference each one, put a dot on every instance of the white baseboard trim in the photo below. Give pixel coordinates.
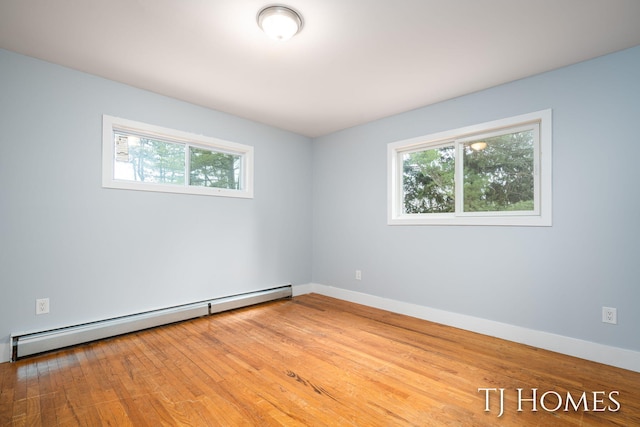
(305, 289)
(614, 356)
(5, 352)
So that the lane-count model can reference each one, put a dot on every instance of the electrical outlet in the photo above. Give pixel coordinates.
(42, 306)
(358, 274)
(610, 315)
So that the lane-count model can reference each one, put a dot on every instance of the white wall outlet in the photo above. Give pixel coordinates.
(610, 315)
(358, 274)
(42, 306)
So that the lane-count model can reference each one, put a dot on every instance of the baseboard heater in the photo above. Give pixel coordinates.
(27, 344)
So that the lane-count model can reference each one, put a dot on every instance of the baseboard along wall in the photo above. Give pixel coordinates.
(614, 356)
(36, 342)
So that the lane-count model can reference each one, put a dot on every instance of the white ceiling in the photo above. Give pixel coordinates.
(355, 60)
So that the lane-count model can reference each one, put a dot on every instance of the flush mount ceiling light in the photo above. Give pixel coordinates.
(478, 146)
(280, 22)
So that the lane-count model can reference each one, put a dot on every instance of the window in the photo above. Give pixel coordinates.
(138, 156)
(496, 173)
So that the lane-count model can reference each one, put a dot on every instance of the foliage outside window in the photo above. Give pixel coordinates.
(138, 156)
(496, 173)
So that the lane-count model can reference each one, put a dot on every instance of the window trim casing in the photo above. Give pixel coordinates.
(542, 215)
(111, 124)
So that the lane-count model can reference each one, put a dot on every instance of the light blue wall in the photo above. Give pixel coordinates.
(98, 253)
(553, 279)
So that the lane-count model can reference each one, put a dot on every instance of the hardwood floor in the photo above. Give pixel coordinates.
(317, 361)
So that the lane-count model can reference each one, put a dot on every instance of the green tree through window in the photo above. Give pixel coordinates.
(140, 156)
(155, 161)
(163, 162)
(213, 169)
(428, 180)
(497, 176)
(498, 173)
(492, 173)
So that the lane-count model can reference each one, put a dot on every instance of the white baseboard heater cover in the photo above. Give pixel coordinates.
(27, 344)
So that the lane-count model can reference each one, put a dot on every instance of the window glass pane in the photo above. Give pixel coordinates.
(498, 173)
(148, 160)
(428, 180)
(213, 169)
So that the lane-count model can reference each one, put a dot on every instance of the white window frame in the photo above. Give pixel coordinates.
(540, 216)
(112, 124)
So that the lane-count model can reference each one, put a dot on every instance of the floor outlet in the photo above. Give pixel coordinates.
(42, 306)
(610, 315)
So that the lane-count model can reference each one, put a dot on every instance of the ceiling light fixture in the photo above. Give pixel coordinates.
(280, 22)
(479, 146)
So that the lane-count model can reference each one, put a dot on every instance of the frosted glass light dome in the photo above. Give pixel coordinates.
(279, 22)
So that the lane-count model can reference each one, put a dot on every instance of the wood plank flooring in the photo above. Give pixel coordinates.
(312, 361)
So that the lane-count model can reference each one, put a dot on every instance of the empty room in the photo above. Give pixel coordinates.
(319, 213)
